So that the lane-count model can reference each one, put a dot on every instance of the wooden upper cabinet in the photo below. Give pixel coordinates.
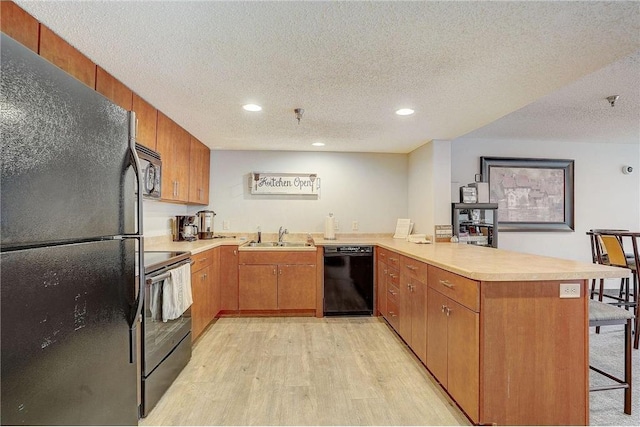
(173, 143)
(19, 25)
(199, 173)
(113, 89)
(147, 118)
(59, 52)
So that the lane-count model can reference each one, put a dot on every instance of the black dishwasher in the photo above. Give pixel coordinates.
(348, 280)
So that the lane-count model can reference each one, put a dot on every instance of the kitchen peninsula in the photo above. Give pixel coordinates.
(489, 324)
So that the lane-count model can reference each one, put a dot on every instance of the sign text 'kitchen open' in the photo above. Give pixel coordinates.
(285, 183)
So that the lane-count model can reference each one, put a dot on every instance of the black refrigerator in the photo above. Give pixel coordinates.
(70, 214)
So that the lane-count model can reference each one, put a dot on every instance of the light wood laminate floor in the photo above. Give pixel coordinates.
(303, 371)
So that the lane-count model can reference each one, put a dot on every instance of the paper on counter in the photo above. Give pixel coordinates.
(403, 228)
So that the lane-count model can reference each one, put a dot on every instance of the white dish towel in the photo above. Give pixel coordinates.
(176, 293)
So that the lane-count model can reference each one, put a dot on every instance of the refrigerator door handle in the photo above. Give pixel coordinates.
(135, 162)
(137, 309)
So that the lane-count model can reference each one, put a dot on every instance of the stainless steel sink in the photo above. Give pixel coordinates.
(254, 244)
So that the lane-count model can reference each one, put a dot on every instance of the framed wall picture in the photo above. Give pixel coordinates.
(532, 194)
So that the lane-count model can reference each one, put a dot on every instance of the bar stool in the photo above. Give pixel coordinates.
(602, 314)
(600, 255)
(607, 248)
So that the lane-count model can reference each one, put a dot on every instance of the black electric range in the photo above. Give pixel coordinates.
(166, 342)
(157, 260)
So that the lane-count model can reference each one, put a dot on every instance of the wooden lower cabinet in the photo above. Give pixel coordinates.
(381, 288)
(463, 339)
(277, 280)
(418, 313)
(296, 287)
(258, 287)
(453, 338)
(205, 287)
(453, 350)
(277, 287)
(200, 291)
(437, 336)
(229, 278)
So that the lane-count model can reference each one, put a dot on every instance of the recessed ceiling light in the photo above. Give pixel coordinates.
(252, 107)
(318, 144)
(405, 112)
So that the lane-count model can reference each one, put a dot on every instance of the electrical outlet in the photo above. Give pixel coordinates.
(569, 290)
(354, 225)
(225, 224)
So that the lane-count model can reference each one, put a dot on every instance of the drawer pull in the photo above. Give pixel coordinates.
(392, 314)
(411, 267)
(392, 293)
(393, 276)
(393, 259)
(446, 283)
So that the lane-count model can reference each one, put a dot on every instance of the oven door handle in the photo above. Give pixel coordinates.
(159, 277)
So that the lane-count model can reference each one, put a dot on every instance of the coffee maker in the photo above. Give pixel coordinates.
(205, 224)
(185, 228)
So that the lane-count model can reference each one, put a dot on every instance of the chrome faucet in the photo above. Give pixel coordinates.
(281, 233)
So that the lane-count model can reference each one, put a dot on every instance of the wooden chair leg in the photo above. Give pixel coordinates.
(636, 338)
(627, 366)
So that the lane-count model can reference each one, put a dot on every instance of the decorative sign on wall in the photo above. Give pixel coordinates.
(307, 184)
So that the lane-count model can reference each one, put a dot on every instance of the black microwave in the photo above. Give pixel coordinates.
(151, 171)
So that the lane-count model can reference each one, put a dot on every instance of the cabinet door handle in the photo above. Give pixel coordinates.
(411, 267)
(448, 311)
(393, 276)
(280, 271)
(393, 259)
(392, 314)
(235, 252)
(274, 271)
(391, 292)
(444, 308)
(446, 283)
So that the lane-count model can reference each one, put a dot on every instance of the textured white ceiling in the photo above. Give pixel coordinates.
(350, 65)
(579, 112)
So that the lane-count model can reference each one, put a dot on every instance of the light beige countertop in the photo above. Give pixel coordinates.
(490, 264)
(165, 243)
(473, 262)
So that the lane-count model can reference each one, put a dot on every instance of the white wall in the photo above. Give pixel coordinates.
(365, 187)
(604, 196)
(429, 186)
(156, 216)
